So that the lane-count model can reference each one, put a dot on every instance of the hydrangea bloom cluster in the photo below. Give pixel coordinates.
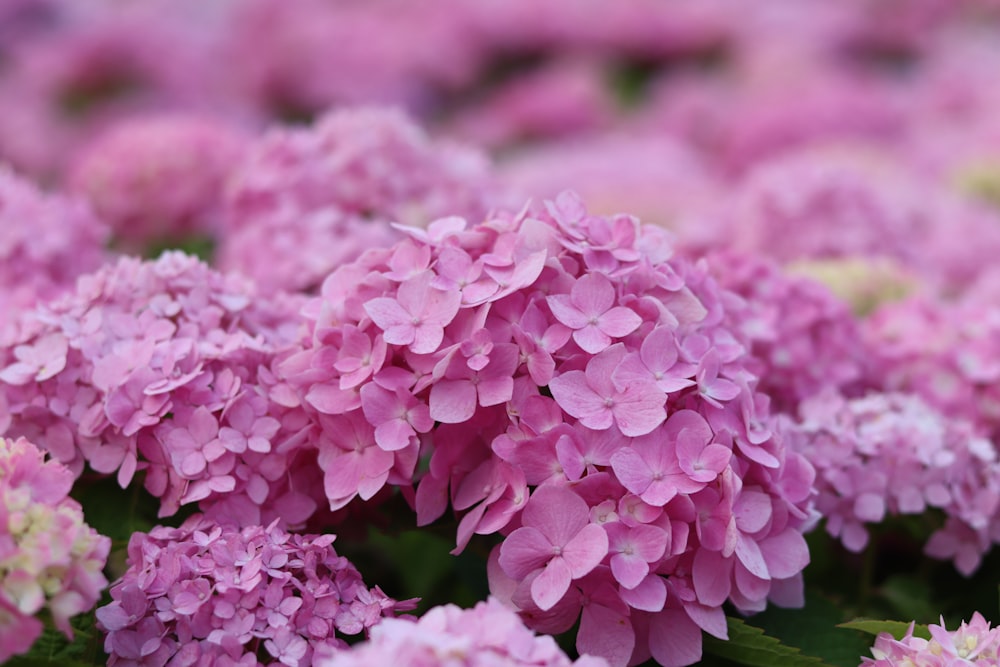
(946, 353)
(50, 560)
(570, 354)
(819, 204)
(802, 338)
(159, 177)
(205, 594)
(46, 241)
(307, 200)
(892, 454)
(972, 643)
(488, 635)
(161, 366)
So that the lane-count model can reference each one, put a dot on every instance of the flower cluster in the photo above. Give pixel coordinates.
(162, 366)
(973, 643)
(209, 594)
(46, 241)
(307, 200)
(820, 205)
(802, 338)
(945, 352)
(488, 635)
(571, 354)
(892, 454)
(50, 560)
(159, 177)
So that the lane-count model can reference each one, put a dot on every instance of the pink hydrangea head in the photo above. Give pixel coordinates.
(314, 198)
(945, 352)
(577, 389)
(46, 241)
(489, 633)
(973, 642)
(207, 591)
(51, 562)
(829, 205)
(158, 177)
(162, 366)
(886, 455)
(803, 339)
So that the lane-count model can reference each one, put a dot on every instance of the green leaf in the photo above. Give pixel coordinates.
(749, 646)
(895, 628)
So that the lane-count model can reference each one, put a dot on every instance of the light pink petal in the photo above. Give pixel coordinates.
(342, 475)
(659, 349)
(427, 338)
(393, 435)
(551, 585)
(710, 618)
(332, 400)
(711, 575)
(674, 639)
(786, 554)
(723, 390)
(378, 404)
(649, 595)
(629, 569)
(631, 370)
(563, 310)
(619, 321)
(631, 470)
(591, 339)
(574, 395)
(605, 633)
(601, 368)
(752, 510)
(386, 312)
(593, 294)
(586, 550)
(558, 513)
(524, 551)
(452, 401)
(650, 542)
(748, 551)
(639, 409)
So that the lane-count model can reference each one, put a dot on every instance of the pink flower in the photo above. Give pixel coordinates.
(556, 542)
(417, 316)
(592, 396)
(590, 312)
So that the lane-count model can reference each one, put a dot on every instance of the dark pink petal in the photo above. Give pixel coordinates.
(524, 551)
(605, 633)
(748, 551)
(551, 585)
(674, 639)
(452, 401)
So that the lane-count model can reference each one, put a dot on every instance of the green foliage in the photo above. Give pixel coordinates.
(895, 628)
(749, 646)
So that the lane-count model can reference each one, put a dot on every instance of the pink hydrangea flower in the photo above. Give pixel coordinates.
(973, 642)
(46, 241)
(161, 367)
(206, 592)
(590, 397)
(51, 562)
(316, 197)
(488, 634)
(887, 455)
(158, 177)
